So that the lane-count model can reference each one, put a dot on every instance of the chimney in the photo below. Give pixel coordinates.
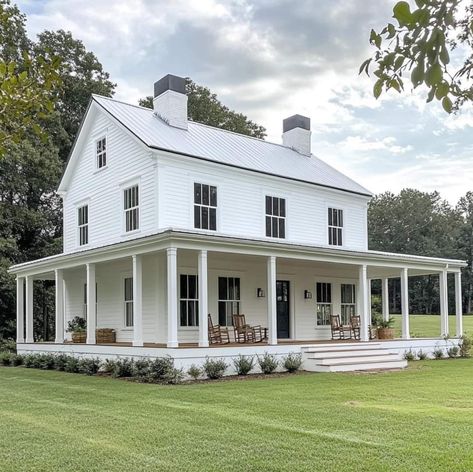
(170, 100)
(296, 133)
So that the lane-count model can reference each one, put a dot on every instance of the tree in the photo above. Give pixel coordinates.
(420, 45)
(465, 243)
(204, 107)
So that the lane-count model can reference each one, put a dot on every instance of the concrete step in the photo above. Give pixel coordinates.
(359, 360)
(345, 354)
(343, 347)
(399, 364)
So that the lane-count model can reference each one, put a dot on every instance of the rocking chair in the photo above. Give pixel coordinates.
(217, 334)
(338, 330)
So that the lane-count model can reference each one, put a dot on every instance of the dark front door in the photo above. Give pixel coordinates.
(282, 298)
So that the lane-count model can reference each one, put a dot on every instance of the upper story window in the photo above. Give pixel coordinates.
(128, 301)
(131, 207)
(101, 152)
(275, 217)
(324, 303)
(205, 206)
(83, 224)
(335, 227)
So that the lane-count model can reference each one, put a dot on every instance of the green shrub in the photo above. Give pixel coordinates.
(267, 363)
(438, 353)
(409, 355)
(78, 324)
(453, 352)
(465, 346)
(123, 368)
(194, 372)
(47, 361)
(292, 362)
(6, 358)
(8, 345)
(214, 368)
(162, 370)
(29, 361)
(17, 359)
(89, 366)
(243, 364)
(109, 366)
(72, 365)
(60, 362)
(422, 355)
(141, 369)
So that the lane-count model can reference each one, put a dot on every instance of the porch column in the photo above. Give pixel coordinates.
(405, 303)
(29, 309)
(91, 304)
(272, 320)
(385, 298)
(363, 302)
(172, 296)
(370, 307)
(458, 304)
(59, 277)
(203, 299)
(443, 287)
(20, 309)
(137, 300)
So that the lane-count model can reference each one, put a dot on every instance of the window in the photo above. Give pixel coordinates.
(83, 224)
(348, 302)
(128, 300)
(228, 299)
(205, 207)
(84, 306)
(189, 300)
(275, 217)
(101, 152)
(324, 303)
(131, 208)
(335, 227)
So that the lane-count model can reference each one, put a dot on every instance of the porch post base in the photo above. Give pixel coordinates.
(204, 344)
(172, 344)
(138, 343)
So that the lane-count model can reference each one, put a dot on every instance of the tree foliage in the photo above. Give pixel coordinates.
(420, 47)
(203, 106)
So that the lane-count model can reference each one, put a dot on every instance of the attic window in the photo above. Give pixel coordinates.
(101, 152)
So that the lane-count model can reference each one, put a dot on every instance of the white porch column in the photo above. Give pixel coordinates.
(172, 296)
(368, 296)
(405, 303)
(272, 319)
(91, 304)
(385, 298)
(29, 309)
(443, 287)
(20, 309)
(59, 276)
(363, 308)
(458, 304)
(137, 300)
(203, 299)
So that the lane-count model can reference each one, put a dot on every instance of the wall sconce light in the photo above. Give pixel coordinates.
(307, 294)
(260, 293)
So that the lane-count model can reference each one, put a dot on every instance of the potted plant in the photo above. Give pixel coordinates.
(78, 327)
(385, 329)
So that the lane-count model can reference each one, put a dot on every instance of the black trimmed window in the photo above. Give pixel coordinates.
(324, 303)
(205, 206)
(131, 207)
(335, 227)
(101, 152)
(228, 299)
(275, 217)
(83, 224)
(189, 300)
(348, 302)
(128, 301)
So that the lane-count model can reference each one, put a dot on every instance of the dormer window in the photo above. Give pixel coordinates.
(83, 224)
(205, 206)
(131, 208)
(335, 227)
(101, 152)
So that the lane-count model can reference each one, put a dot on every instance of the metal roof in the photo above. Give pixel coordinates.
(226, 147)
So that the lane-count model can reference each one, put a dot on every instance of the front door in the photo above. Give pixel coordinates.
(282, 306)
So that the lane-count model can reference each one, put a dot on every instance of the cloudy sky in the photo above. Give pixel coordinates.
(273, 58)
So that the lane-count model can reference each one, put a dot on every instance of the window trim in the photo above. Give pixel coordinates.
(124, 186)
(79, 226)
(77, 205)
(234, 300)
(329, 206)
(96, 156)
(351, 304)
(187, 273)
(270, 193)
(125, 302)
(317, 303)
(204, 181)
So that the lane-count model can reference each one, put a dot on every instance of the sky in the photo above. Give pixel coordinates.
(270, 59)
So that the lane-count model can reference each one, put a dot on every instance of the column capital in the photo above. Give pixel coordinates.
(171, 250)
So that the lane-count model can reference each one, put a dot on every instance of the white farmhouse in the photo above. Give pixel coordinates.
(167, 220)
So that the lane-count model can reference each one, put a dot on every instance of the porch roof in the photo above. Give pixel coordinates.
(186, 239)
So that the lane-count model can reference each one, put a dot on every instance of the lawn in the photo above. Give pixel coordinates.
(428, 326)
(417, 419)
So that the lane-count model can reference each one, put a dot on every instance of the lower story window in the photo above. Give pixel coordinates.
(348, 306)
(228, 299)
(189, 300)
(128, 300)
(84, 305)
(324, 303)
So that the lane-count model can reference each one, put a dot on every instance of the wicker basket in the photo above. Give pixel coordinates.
(105, 335)
(79, 337)
(385, 333)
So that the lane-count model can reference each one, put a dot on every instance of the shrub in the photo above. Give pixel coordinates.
(438, 353)
(72, 365)
(46, 361)
(214, 368)
(141, 369)
(8, 345)
(194, 372)
(123, 368)
(292, 362)
(17, 359)
(77, 325)
(60, 361)
(465, 345)
(422, 355)
(5, 358)
(243, 364)
(109, 366)
(267, 363)
(162, 370)
(29, 361)
(175, 376)
(89, 366)
(409, 355)
(453, 352)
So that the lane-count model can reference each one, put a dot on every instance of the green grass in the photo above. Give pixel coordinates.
(428, 326)
(417, 419)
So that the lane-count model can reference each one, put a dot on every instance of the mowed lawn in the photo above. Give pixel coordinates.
(428, 326)
(419, 419)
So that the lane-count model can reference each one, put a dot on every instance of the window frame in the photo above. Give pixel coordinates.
(204, 182)
(228, 301)
(128, 303)
(82, 226)
(273, 216)
(330, 227)
(347, 305)
(188, 300)
(322, 307)
(123, 188)
(102, 153)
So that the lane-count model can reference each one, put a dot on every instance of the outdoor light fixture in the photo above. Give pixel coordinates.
(260, 293)
(307, 294)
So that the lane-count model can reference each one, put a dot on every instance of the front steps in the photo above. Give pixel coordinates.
(349, 357)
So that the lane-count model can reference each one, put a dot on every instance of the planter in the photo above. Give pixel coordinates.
(385, 333)
(105, 335)
(79, 337)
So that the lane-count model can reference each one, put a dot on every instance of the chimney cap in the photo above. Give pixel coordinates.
(170, 82)
(296, 121)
